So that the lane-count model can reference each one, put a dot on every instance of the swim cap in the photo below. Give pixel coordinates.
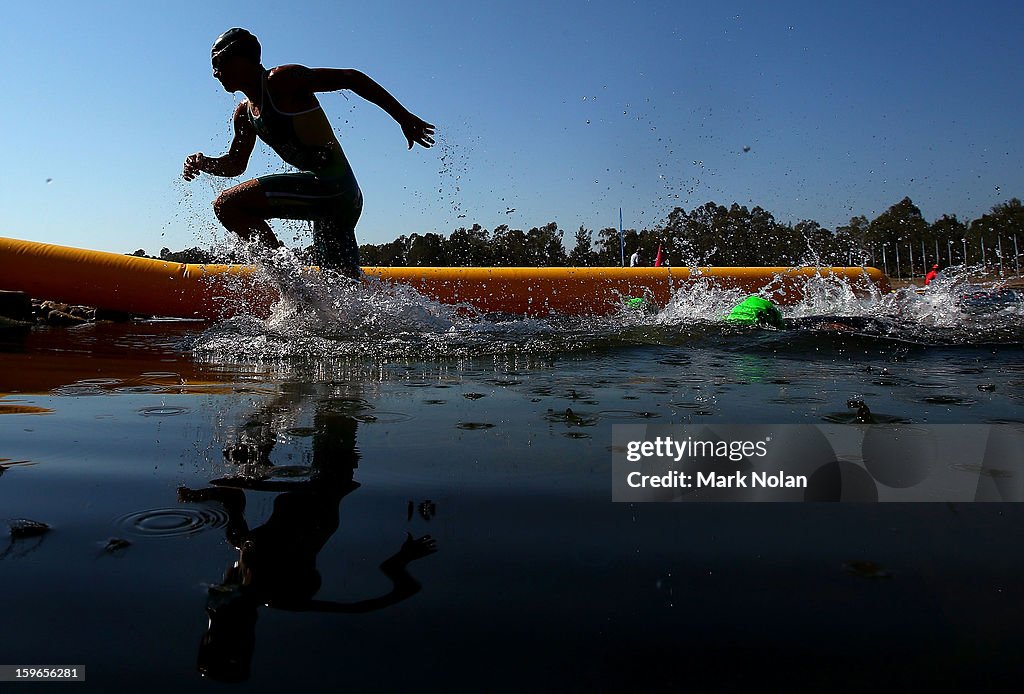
(236, 42)
(755, 311)
(641, 303)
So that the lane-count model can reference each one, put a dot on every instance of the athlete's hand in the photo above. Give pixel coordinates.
(417, 131)
(194, 165)
(416, 549)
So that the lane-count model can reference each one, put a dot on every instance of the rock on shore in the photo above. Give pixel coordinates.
(18, 309)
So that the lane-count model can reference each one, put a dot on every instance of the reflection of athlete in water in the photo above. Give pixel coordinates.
(276, 564)
(282, 110)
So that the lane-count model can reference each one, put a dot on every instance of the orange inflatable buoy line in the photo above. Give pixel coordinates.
(129, 283)
(156, 287)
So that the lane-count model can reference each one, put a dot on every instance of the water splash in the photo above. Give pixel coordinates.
(702, 301)
(954, 309)
(824, 294)
(323, 315)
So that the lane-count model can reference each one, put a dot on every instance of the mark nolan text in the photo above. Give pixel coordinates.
(754, 479)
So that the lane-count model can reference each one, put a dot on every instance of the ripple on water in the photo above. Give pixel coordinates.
(345, 406)
(627, 414)
(949, 400)
(89, 386)
(179, 521)
(869, 418)
(571, 418)
(382, 417)
(163, 411)
(800, 400)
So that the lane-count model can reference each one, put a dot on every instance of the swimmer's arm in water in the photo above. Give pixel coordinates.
(416, 130)
(395, 568)
(234, 162)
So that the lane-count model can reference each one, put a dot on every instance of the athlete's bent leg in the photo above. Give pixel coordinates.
(244, 210)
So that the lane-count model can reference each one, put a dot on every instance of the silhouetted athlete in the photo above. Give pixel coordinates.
(281, 109)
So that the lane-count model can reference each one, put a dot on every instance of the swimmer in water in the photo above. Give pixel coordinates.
(757, 311)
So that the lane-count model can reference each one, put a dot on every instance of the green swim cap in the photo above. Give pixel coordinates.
(641, 303)
(755, 311)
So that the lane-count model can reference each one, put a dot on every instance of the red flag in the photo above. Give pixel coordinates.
(657, 260)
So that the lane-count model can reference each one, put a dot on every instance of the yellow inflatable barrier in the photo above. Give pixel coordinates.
(156, 287)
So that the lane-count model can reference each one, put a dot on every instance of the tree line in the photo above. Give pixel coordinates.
(713, 234)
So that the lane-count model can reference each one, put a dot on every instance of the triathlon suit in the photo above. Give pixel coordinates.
(325, 191)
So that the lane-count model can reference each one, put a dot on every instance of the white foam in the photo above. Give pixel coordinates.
(323, 314)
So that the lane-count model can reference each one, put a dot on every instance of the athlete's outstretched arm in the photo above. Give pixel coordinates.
(394, 567)
(417, 130)
(234, 162)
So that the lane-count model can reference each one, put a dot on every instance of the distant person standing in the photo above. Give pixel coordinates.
(932, 274)
(281, 109)
(634, 259)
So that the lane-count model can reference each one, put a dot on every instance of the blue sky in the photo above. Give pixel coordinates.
(561, 111)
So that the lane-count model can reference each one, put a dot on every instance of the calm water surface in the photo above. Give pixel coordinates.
(421, 500)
